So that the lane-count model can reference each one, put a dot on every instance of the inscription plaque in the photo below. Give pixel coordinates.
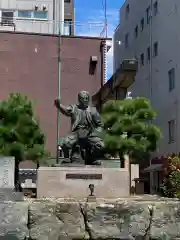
(7, 165)
(84, 176)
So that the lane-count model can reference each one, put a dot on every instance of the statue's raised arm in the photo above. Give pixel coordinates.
(65, 110)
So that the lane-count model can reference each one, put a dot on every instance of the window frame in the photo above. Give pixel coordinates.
(142, 59)
(148, 54)
(127, 11)
(171, 131)
(155, 49)
(142, 24)
(126, 40)
(38, 18)
(148, 15)
(136, 31)
(4, 20)
(171, 79)
(21, 17)
(155, 8)
(69, 25)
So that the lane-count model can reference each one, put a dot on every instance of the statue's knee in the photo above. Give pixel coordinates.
(99, 145)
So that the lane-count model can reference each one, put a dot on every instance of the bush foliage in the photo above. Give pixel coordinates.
(171, 183)
(20, 133)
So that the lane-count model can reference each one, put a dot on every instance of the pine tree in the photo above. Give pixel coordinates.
(128, 128)
(20, 134)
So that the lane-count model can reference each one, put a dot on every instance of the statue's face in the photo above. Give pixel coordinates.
(83, 98)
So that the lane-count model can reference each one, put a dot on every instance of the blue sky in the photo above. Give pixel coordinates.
(89, 18)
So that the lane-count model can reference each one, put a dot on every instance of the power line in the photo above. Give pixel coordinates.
(105, 15)
(104, 30)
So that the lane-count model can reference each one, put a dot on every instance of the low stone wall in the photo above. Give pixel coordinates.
(121, 219)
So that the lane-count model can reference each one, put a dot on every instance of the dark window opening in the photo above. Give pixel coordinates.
(155, 47)
(7, 18)
(127, 11)
(171, 77)
(148, 54)
(148, 15)
(142, 59)
(142, 24)
(171, 128)
(127, 40)
(136, 31)
(155, 8)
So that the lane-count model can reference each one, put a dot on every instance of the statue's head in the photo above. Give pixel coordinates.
(83, 98)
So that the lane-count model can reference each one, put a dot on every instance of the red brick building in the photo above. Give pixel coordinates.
(29, 65)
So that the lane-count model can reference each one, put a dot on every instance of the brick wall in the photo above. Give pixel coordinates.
(29, 65)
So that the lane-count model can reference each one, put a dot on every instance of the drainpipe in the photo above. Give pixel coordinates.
(151, 49)
(54, 9)
(103, 62)
(61, 17)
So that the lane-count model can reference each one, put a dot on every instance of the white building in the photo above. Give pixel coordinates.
(150, 32)
(38, 16)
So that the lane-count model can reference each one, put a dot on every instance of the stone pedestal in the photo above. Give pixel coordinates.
(91, 199)
(73, 182)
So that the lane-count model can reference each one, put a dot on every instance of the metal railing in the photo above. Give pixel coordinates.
(94, 29)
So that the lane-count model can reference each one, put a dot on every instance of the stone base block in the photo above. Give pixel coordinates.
(8, 194)
(91, 199)
(74, 182)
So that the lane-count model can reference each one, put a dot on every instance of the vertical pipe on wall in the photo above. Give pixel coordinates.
(54, 9)
(61, 17)
(151, 50)
(105, 63)
(102, 62)
(61, 31)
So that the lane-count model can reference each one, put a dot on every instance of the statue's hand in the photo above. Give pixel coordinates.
(57, 102)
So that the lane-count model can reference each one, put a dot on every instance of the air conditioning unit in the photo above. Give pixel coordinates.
(36, 7)
(44, 7)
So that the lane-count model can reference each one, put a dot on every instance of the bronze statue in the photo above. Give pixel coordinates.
(86, 127)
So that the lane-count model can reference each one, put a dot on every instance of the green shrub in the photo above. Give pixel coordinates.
(171, 183)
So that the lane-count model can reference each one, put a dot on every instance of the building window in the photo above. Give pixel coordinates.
(142, 59)
(155, 8)
(148, 54)
(148, 15)
(171, 77)
(67, 1)
(7, 18)
(67, 27)
(142, 24)
(24, 14)
(120, 93)
(155, 49)
(40, 14)
(127, 11)
(136, 31)
(127, 40)
(171, 126)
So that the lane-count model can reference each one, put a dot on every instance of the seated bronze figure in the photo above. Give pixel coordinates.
(86, 141)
